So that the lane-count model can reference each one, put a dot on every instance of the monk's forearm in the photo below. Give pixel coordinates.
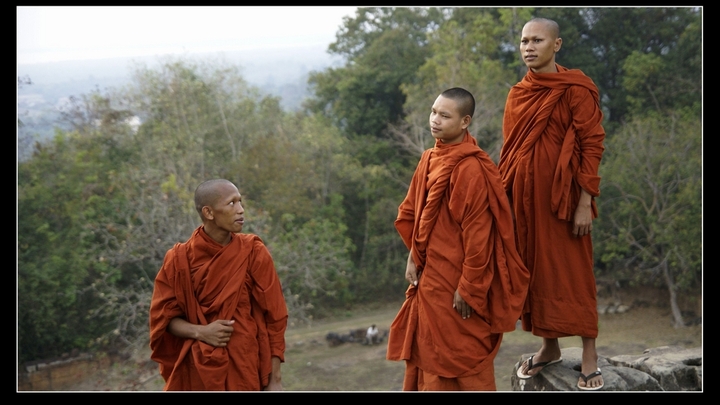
(275, 380)
(275, 375)
(183, 329)
(585, 199)
(216, 333)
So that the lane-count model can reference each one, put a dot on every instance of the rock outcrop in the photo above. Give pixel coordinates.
(666, 368)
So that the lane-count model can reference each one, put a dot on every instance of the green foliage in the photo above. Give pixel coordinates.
(599, 40)
(651, 211)
(314, 266)
(202, 115)
(370, 23)
(62, 188)
(467, 56)
(380, 275)
(384, 47)
(98, 206)
(651, 85)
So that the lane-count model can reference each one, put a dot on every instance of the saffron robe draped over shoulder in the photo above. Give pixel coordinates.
(203, 281)
(457, 222)
(553, 144)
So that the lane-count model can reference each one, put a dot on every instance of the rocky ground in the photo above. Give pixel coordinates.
(313, 365)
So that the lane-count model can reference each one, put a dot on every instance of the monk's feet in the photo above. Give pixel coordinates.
(591, 382)
(590, 376)
(536, 363)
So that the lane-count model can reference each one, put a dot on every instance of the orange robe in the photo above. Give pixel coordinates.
(456, 219)
(203, 281)
(553, 143)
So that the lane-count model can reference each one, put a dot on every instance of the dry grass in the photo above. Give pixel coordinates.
(312, 365)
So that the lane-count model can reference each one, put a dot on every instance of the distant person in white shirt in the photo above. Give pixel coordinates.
(371, 336)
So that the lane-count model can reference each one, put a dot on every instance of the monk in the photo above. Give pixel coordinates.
(467, 281)
(553, 143)
(218, 315)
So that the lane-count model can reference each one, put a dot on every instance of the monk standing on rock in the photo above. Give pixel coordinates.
(553, 143)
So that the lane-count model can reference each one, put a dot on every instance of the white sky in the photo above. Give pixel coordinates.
(56, 33)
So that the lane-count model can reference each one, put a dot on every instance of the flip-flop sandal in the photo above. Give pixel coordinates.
(531, 366)
(585, 378)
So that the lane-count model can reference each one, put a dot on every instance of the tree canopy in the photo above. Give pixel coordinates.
(101, 202)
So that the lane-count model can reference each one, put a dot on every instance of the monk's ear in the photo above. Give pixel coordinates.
(466, 121)
(558, 44)
(208, 213)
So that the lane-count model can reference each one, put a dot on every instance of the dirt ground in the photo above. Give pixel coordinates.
(312, 365)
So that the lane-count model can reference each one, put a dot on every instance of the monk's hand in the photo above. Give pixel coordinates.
(217, 333)
(461, 306)
(273, 386)
(583, 220)
(411, 273)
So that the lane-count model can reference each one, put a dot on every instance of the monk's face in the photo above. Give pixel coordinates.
(226, 213)
(446, 122)
(538, 47)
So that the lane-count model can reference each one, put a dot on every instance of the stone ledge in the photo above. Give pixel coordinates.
(666, 368)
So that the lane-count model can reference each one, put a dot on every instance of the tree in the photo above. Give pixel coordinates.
(60, 189)
(464, 55)
(202, 115)
(383, 47)
(599, 40)
(24, 140)
(652, 223)
(668, 80)
(314, 266)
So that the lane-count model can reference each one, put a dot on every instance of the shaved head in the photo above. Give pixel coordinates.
(464, 99)
(208, 192)
(552, 26)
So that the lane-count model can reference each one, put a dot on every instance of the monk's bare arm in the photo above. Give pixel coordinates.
(275, 383)
(411, 273)
(582, 224)
(215, 334)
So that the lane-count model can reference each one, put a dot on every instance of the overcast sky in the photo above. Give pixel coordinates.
(57, 33)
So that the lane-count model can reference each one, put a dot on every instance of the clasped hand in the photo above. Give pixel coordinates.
(411, 273)
(217, 333)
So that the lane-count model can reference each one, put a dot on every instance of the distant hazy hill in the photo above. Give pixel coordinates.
(278, 72)
(269, 69)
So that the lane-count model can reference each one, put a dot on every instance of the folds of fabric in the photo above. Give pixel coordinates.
(419, 380)
(553, 143)
(529, 108)
(203, 281)
(457, 222)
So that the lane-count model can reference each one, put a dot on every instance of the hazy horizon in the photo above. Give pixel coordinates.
(292, 57)
(58, 33)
